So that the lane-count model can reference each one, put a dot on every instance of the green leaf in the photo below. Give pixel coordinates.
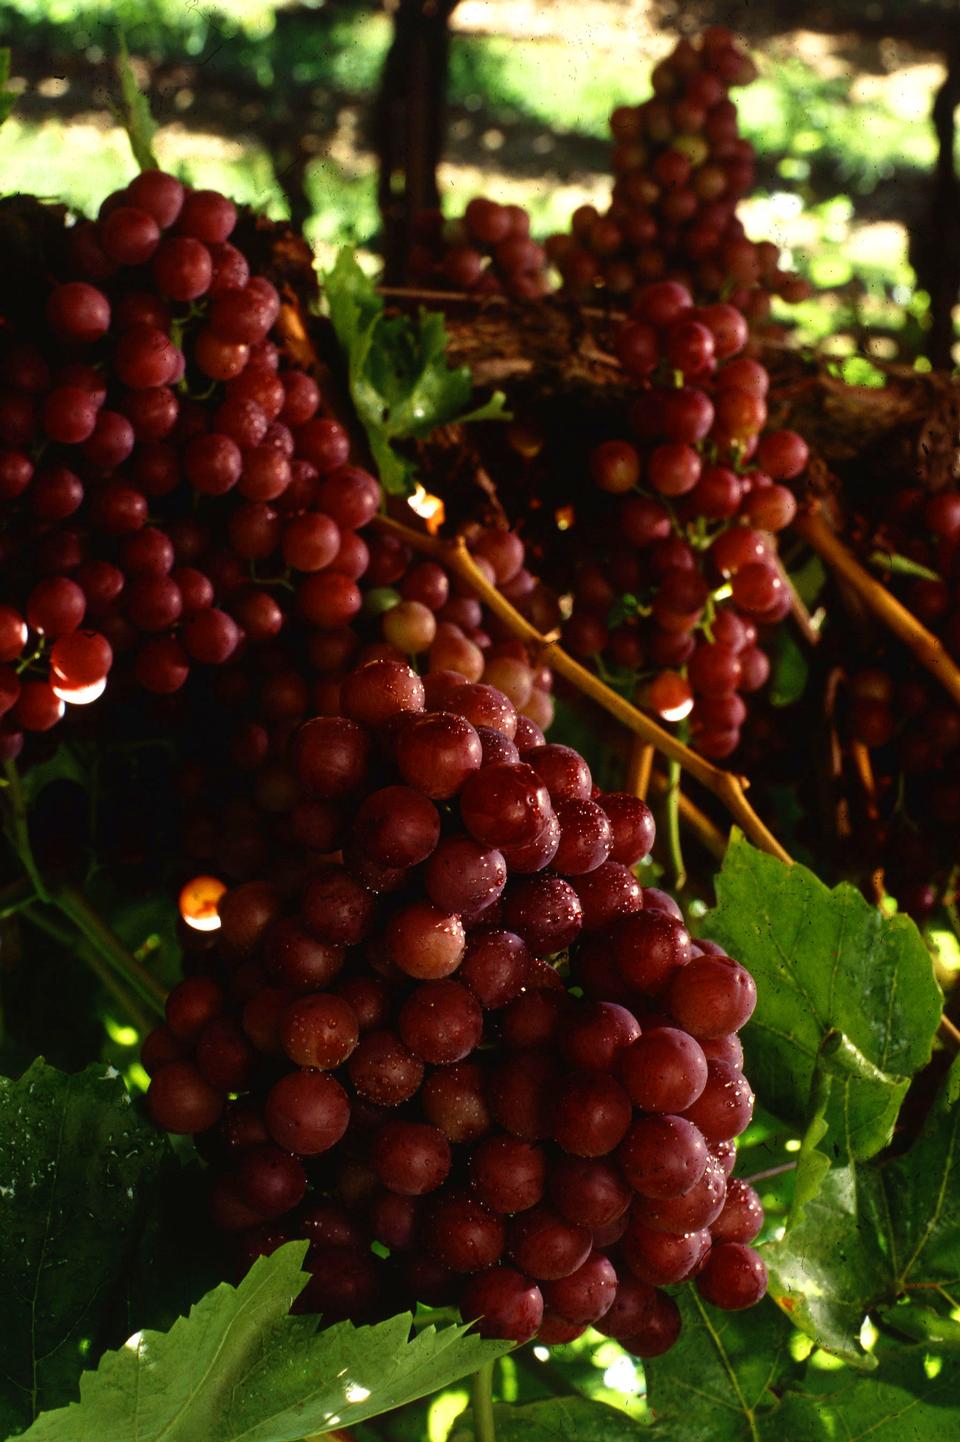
(900, 1402)
(400, 382)
(239, 1368)
(134, 112)
(828, 1268)
(813, 1164)
(8, 98)
(877, 1233)
(715, 1384)
(77, 1163)
(914, 1202)
(731, 1378)
(789, 670)
(809, 580)
(561, 1419)
(826, 961)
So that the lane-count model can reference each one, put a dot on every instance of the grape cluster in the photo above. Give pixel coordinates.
(900, 713)
(683, 565)
(171, 491)
(176, 494)
(488, 251)
(462, 1050)
(241, 801)
(680, 168)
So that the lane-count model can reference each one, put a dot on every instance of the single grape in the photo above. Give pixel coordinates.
(734, 1277)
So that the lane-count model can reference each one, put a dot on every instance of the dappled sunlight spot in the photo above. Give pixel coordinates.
(907, 93)
(800, 1346)
(443, 1412)
(826, 1361)
(121, 1034)
(793, 1145)
(882, 242)
(354, 1392)
(932, 1366)
(622, 1375)
(607, 1354)
(53, 87)
(132, 1344)
(629, 22)
(868, 1335)
(821, 52)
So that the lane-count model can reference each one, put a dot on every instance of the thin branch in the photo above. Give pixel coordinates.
(949, 1031)
(15, 896)
(639, 767)
(21, 834)
(126, 999)
(771, 1172)
(727, 788)
(798, 609)
(674, 847)
(94, 929)
(928, 650)
(709, 836)
(863, 765)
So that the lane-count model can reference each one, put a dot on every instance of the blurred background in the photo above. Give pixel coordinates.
(341, 114)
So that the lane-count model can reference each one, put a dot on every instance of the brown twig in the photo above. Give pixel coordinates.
(895, 616)
(860, 756)
(639, 766)
(727, 788)
(798, 610)
(949, 1031)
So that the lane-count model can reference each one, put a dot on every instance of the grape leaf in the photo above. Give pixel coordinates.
(877, 1233)
(731, 1378)
(400, 382)
(561, 1419)
(789, 671)
(715, 1384)
(239, 1368)
(76, 1166)
(826, 961)
(827, 1268)
(902, 1401)
(914, 1201)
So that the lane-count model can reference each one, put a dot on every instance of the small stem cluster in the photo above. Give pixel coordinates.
(728, 788)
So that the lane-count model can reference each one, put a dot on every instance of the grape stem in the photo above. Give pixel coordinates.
(709, 836)
(74, 905)
(928, 650)
(770, 1172)
(128, 1002)
(728, 788)
(20, 837)
(801, 616)
(481, 1403)
(15, 896)
(672, 798)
